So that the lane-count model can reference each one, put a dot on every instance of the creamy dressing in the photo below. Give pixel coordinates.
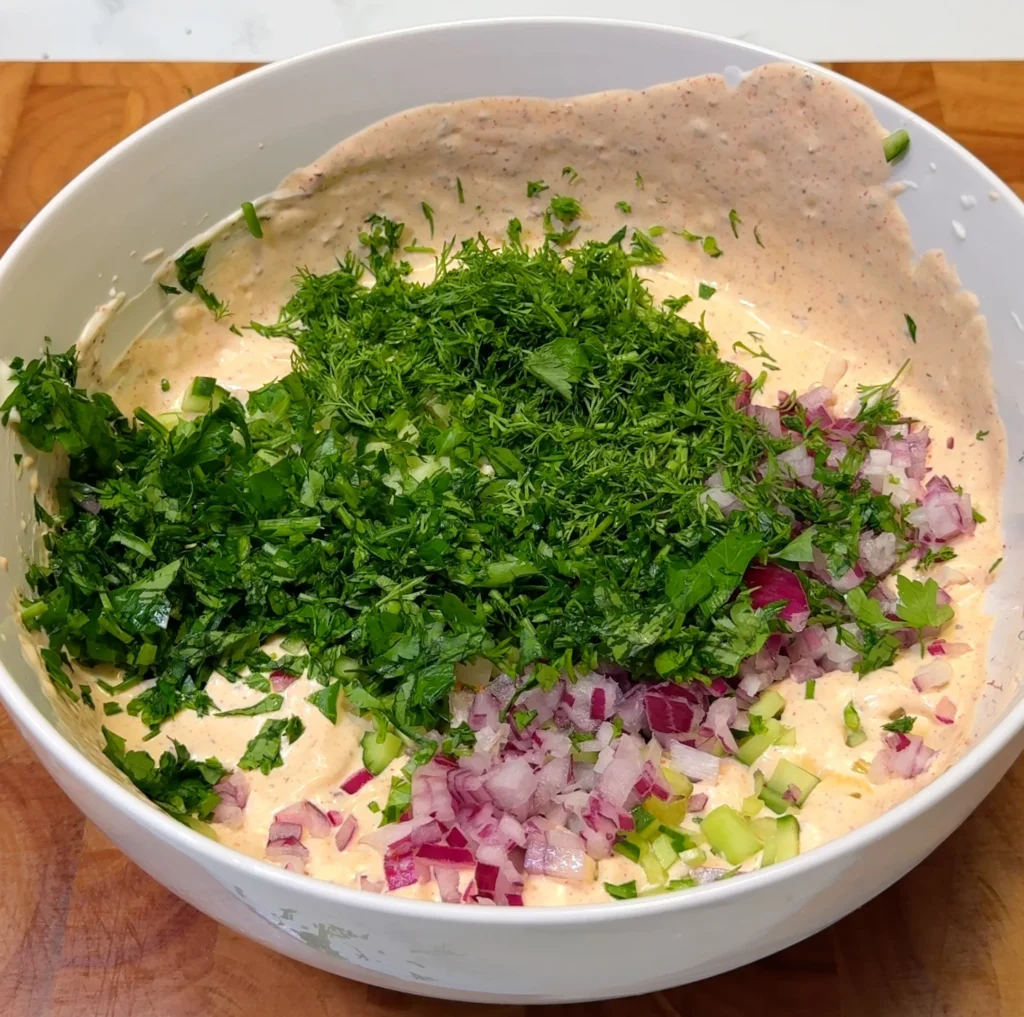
(797, 157)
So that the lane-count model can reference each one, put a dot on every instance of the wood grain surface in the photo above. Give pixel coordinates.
(84, 933)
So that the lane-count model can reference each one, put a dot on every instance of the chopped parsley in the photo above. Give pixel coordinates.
(179, 784)
(459, 191)
(900, 725)
(568, 171)
(706, 291)
(911, 327)
(734, 221)
(263, 752)
(270, 704)
(711, 248)
(189, 267)
(981, 436)
(565, 208)
(995, 564)
(535, 187)
(935, 556)
(624, 206)
(639, 181)
(757, 236)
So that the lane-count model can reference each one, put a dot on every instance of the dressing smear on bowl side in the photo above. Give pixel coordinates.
(831, 687)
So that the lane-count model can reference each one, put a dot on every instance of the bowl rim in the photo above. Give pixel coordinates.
(209, 851)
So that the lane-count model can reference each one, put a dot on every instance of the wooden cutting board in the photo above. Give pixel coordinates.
(84, 933)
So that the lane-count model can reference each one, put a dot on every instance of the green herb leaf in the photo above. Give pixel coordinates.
(705, 291)
(270, 704)
(799, 549)
(263, 752)
(711, 247)
(734, 221)
(901, 725)
(919, 606)
(911, 327)
(624, 206)
(535, 187)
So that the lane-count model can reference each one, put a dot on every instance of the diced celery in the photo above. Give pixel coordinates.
(378, 752)
(641, 819)
(755, 745)
(694, 857)
(751, 806)
(771, 704)
(669, 813)
(628, 849)
(855, 738)
(788, 737)
(681, 840)
(730, 835)
(203, 395)
(678, 783)
(774, 800)
(788, 774)
(584, 757)
(170, 420)
(663, 850)
(784, 842)
(764, 827)
(653, 869)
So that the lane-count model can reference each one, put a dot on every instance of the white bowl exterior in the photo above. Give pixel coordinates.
(202, 161)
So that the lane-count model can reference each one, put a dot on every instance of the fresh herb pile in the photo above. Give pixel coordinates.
(507, 462)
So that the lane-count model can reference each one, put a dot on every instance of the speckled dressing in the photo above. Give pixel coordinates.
(822, 269)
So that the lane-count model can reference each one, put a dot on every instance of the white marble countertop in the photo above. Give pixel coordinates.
(259, 30)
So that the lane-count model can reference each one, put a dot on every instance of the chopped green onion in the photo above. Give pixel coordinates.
(252, 220)
(621, 891)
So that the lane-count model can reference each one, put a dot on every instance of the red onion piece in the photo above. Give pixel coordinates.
(446, 856)
(346, 831)
(933, 675)
(400, 871)
(280, 680)
(945, 710)
(308, 816)
(358, 780)
(769, 584)
(694, 763)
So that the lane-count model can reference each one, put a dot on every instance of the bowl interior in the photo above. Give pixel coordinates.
(194, 166)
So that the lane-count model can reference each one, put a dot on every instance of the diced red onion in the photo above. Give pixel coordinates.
(672, 709)
(718, 722)
(346, 831)
(400, 871)
(945, 710)
(693, 763)
(280, 680)
(769, 584)
(933, 675)
(877, 552)
(940, 648)
(308, 816)
(697, 803)
(358, 780)
(446, 856)
(943, 513)
(447, 884)
(805, 670)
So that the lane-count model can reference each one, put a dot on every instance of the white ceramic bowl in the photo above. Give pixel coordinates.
(238, 141)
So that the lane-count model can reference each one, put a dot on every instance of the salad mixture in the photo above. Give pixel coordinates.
(560, 532)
